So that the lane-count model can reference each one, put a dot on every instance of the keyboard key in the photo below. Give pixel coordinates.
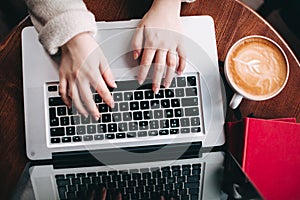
(91, 129)
(118, 96)
(164, 132)
(54, 121)
(153, 133)
(102, 108)
(60, 131)
(64, 121)
(168, 113)
(174, 131)
(142, 133)
(181, 82)
(112, 127)
(110, 136)
(195, 121)
(155, 104)
(66, 139)
(178, 112)
(75, 120)
(105, 118)
(61, 111)
(165, 103)
(87, 138)
(52, 113)
(149, 94)
(154, 124)
(80, 130)
(52, 88)
(101, 128)
(98, 137)
(185, 122)
(160, 94)
(97, 98)
(56, 101)
(191, 80)
(185, 130)
(133, 126)
(143, 125)
(63, 182)
(196, 129)
(138, 115)
(72, 111)
(138, 95)
(134, 105)
(122, 127)
(179, 92)
(164, 123)
(131, 134)
(120, 135)
(175, 103)
(158, 114)
(116, 117)
(127, 116)
(144, 105)
(55, 140)
(189, 101)
(85, 120)
(174, 123)
(191, 91)
(124, 106)
(194, 111)
(128, 96)
(169, 93)
(148, 114)
(77, 138)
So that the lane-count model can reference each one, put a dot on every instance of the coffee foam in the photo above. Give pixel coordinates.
(257, 67)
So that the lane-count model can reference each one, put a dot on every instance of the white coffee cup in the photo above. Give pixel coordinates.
(256, 68)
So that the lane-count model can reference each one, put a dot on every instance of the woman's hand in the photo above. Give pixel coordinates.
(159, 35)
(83, 65)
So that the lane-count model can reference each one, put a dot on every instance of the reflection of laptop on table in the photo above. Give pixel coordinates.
(183, 118)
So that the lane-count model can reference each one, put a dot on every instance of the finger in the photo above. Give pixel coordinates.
(74, 94)
(160, 63)
(119, 196)
(147, 58)
(182, 59)
(63, 85)
(87, 98)
(103, 194)
(171, 66)
(137, 42)
(106, 72)
(103, 91)
(162, 198)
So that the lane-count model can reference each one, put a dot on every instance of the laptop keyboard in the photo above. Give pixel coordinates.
(179, 181)
(138, 112)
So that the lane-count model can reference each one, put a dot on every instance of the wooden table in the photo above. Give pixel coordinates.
(233, 20)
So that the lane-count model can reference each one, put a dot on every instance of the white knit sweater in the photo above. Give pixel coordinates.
(58, 21)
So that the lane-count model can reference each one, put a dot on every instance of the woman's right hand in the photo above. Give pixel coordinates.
(83, 65)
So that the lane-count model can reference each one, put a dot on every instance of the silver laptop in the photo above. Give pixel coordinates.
(189, 112)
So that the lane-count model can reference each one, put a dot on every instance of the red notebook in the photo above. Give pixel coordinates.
(269, 153)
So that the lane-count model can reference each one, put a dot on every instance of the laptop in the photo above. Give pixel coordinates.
(145, 133)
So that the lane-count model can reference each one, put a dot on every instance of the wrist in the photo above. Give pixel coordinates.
(82, 41)
(169, 7)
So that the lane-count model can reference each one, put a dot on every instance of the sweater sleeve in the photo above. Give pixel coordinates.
(58, 21)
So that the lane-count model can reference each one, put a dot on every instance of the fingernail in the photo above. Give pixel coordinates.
(167, 84)
(156, 90)
(114, 85)
(112, 104)
(85, 115)
(135, 55)
(140, 81)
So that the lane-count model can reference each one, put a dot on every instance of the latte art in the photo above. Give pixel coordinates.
(257, 68)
